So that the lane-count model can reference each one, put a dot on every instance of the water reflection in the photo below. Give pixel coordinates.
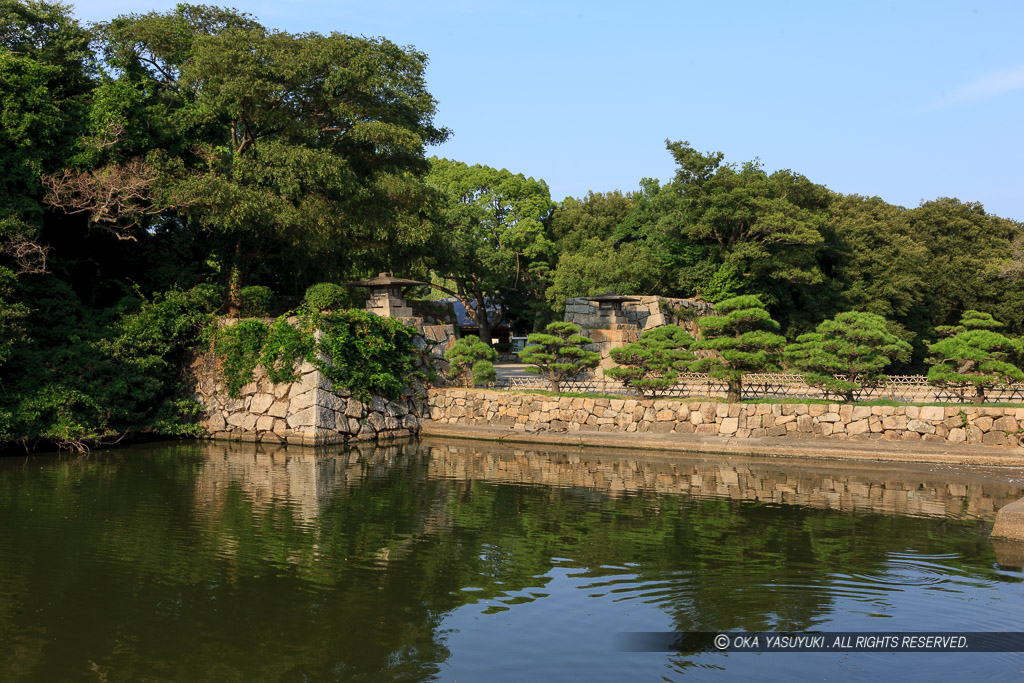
(309, 479)
(455, 560)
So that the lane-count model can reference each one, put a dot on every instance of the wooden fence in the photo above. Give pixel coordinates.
(901, 388)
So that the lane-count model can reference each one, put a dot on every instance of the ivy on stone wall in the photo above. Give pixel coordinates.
(358, 351)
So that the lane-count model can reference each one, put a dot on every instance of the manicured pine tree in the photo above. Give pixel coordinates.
(653, 362)
(853, 344)
(472, 360)
(974, 354)
(743, 340)
(557, 353)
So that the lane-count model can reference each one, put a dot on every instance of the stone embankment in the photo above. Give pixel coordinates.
(988, 425)
(306, 412)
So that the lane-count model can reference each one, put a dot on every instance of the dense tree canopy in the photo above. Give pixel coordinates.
(492, 237)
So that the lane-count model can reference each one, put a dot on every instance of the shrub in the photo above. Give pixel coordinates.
(483, 372)
(465, 355)
(326, 296)
(239, 348)
(367, 354)
(255, 300)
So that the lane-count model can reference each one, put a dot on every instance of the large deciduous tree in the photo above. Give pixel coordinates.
(491, 237)
(305, 146)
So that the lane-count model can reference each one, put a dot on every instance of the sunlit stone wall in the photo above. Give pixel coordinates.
(990, 425)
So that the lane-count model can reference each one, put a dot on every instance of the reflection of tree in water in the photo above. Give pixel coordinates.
(242, 581)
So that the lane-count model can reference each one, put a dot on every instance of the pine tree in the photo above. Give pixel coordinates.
(471, 360)
(974, 354)
(743, 340)
(853, 344)
(654, 361)
(557, 353)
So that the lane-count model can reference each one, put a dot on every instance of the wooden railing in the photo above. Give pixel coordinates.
(900, 388)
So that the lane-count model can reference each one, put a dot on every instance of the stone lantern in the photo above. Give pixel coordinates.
(609, 307)
(386, 295)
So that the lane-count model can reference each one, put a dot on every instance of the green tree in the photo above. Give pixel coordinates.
(857, 346)
(557, 353)
(472, 360)
(654, 361)
(600, 266)
(722, 230)
(277, 143)
(742, 339)
(974, 355)
(491, 224)
(596, 216)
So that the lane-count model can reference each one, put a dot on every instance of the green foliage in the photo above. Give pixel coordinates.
(483, 372)
(326, 296)
(855, 345)
(239, 348)
(367, 354)
(491, 223)
(77, 379)
(557, 353)
(975, 355)
(469, 358)
(358, 351)
(256, 300)
(286, 345)
(599, 266)
(654, 361)
(742, 340)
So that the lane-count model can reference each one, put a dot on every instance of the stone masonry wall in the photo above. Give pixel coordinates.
(644, 315)
(306, 412)
(991, 425)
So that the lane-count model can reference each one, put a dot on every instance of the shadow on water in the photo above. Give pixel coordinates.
(413, 562)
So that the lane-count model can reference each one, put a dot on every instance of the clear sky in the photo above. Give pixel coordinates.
(907, 100)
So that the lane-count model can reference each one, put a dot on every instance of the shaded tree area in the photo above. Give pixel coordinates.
(155, 165)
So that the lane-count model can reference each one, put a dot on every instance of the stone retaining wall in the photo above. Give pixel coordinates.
(646, 314)
(306, 412)
(990, 425)
(309, 411)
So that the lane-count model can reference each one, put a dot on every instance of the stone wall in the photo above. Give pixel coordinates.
(990, 425)
(848, 486)
(308, 411)
(648, 313)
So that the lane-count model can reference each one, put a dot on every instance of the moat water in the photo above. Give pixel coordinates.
(463, 561)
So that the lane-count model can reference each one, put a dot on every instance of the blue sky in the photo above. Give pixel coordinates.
(905, 100)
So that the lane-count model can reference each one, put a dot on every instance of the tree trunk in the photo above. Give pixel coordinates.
(735, 391)
(235, 281)
(979, 394)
